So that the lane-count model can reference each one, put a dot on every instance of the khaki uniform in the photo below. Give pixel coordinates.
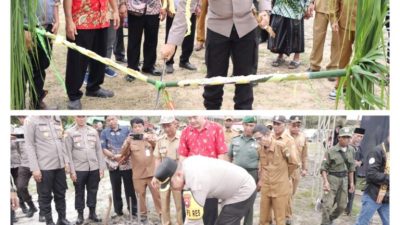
(325, 13)
(169, 148)
(229, 134)
(201, 22)
(142, 158)
(277, 163)
(335, 165)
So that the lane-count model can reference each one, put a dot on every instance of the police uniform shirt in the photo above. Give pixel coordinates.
(165, 147)
(213, 178)
(20, 144)
(15, 155)
(334, 162)
(222, 16)
(141, 153)
(84, 149)
(244, 152)
(44, 143)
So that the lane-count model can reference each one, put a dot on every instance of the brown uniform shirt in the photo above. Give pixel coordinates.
(167, 148)
(302, 149)
(44, 143)
(84, 149)
(142, 157)
(347, 11)
(275, 161)
(229, 134)
(288, 142)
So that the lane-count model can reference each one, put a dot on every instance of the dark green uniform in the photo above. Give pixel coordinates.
(244, 152)
(337, 168)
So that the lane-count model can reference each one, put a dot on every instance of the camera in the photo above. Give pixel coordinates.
(137, 136)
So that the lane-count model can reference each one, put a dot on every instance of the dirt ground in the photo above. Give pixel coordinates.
(137, 95)
(303, 210)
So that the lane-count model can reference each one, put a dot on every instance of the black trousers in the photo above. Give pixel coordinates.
(119, 46)
(188, 41)
(53, 183)
(95, 40)
(210, 211)
(89, 180)
(244, 54)
(40, 62)
(24, 175)
(14, 174)
(232, 214)
(137, 25)
(116, 176)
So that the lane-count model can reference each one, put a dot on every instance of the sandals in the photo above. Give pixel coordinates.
(294, 64)
(278, 62)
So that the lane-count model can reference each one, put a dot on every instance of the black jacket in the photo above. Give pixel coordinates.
(376, 162)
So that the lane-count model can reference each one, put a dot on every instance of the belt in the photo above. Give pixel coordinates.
(339, 174)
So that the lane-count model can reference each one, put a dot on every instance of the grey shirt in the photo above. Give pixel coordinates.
(20, 145)
(222, 16)
(44, 143)
(215, 178)
(84, 149)
(14, 154)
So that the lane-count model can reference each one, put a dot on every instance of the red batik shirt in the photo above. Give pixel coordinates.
(90, 14)
(209, 141)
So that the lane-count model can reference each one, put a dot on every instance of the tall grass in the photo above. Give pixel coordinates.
(22, 12)
(366, 81)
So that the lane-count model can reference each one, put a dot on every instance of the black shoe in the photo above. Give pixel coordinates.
(63, 221)
(311, 70)
(288, 221)
(121, 60)
(49, 219)
(74, 105)
(23, 207)
(79, 219)
(13, 217)
(169, 68)
(101, 93)
(42, 219)
(32, 209)
(187, 66)
(153, 71)
(129, 78)
(93, 216)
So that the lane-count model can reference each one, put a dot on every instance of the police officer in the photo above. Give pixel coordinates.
(337, 171)
(140, 148)
(24, 173)
(167, 146)
(87, 165)
(301, 147)
(355, 142)
(231, 33)
(283, 136)
(229, 133)
(203, 177)
(48, 161)
(376, 195)
(243, 151)
(277, 163)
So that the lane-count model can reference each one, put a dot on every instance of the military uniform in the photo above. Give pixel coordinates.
(86, 161)
(325, 13)
(277, 163)
(142, 158)
(167, 147)
(338, 167)
(46, 152)
(244, 152)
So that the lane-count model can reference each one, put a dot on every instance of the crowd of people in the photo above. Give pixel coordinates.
(227, 30)
(204, 162)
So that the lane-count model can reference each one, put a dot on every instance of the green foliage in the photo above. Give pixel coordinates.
(368, 73)
(23, 12)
